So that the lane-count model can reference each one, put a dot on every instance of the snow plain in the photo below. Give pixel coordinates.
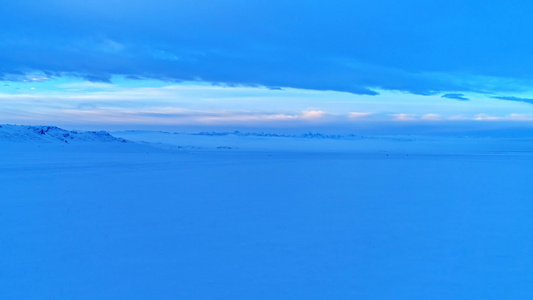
(155, 215)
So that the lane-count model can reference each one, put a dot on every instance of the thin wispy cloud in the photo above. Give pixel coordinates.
(431, 117)
(404, 117)
(517, 99)
(359, 115)
(455, 96)
(510, 117)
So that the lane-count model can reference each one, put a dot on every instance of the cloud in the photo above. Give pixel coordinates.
(509, 117)
(404, 117)
(313, 114)
(431, 117)
(520, 117)
(28, 77)
(251, 118)
(359, 115)
(526, 100)
(320, 45)
(86, 85)
(455, 96)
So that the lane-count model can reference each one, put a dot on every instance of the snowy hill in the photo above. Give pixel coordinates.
(52, 134)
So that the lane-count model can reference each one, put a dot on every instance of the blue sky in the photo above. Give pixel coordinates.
(277, 62)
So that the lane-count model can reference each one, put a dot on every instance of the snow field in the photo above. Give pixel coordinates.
(138, 221)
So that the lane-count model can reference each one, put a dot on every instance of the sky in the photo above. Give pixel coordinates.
(282, 63)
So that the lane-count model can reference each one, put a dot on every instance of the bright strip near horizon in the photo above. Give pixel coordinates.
(126, 102)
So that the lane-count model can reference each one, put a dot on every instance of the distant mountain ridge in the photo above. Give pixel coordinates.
(53, 134)
(308, 135)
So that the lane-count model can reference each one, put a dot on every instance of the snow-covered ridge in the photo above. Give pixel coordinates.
(53, 134)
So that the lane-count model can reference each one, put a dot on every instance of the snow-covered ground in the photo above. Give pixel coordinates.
(87, 215)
